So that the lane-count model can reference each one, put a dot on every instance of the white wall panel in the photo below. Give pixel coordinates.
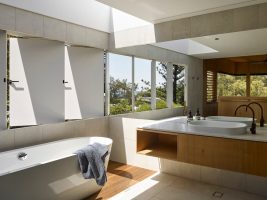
(84, 92)
(38, 97)
(3, 54)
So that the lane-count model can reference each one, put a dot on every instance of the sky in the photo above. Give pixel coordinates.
(121, 68)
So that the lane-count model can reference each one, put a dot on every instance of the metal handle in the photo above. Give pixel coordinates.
(8, 81)
(65, 82)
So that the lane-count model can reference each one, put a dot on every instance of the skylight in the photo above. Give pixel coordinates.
(123, 21)
(186, 46)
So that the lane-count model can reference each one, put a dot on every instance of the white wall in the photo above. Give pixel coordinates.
(88, 13)
(84, 92)
(3, 54)
(38, 97)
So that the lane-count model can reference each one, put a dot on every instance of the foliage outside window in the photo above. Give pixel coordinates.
(229, 85)
(178, 85)
(120, 84)
(258, 85)
(161, 85)
(142, 84)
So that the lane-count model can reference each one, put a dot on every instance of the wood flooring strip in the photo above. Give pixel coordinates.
(120, 177)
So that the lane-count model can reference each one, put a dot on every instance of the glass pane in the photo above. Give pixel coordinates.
(142, 84)
(178, 85)
(229, 85)
(120, 69)
(258, 85)
(161, 84)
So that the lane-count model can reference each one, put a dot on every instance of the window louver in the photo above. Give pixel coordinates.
(211, 86)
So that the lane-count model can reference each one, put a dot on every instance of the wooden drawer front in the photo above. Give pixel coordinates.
(211, 151)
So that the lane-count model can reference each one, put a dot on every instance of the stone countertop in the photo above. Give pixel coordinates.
(179, 125)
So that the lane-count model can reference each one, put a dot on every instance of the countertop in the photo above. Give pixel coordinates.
(180, 125)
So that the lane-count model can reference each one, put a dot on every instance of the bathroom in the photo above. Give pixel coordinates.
(58, 81)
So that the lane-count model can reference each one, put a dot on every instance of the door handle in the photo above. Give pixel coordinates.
(65, 82)
(8, 81)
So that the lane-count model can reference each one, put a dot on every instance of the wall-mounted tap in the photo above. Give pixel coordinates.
(253, 125)
(262, 119)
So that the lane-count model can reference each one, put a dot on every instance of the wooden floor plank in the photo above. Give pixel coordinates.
(120, 177)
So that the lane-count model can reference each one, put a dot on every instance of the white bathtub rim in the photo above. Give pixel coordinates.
(108, 141)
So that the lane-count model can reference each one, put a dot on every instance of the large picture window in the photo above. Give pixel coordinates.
(120, 68)
(229, 85)
(161, 85)
(258, 85)
(142, 84)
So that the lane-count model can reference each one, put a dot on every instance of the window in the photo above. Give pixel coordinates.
(210, 89)
(161, 85)
(229, 85)
(120, 68)
(178, 85)
(258, 85)
(142, 84)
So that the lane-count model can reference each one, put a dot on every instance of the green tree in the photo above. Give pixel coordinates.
(178, 82)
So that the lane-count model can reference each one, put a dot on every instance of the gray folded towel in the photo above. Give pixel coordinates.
(92, 162)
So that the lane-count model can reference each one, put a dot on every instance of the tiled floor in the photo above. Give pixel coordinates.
(166, 187)
(160, 186)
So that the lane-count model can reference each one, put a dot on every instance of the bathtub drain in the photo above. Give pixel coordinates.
(22, 156)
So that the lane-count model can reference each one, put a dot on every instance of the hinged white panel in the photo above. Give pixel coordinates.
(3, 64)
(84, 90)
(38, 96)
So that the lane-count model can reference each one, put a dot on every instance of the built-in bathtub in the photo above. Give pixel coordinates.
(49, 171)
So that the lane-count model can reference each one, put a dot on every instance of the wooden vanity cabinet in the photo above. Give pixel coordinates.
(222, 153)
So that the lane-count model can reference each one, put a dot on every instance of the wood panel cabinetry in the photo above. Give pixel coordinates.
(222, 153)
(227, 106)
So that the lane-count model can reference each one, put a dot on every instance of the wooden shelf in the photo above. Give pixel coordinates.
(161, 151)
(157, 145)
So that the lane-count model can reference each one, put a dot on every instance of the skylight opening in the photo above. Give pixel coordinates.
(123, 21)
(186, 46)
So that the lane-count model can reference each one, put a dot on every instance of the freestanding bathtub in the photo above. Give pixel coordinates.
(49, 171)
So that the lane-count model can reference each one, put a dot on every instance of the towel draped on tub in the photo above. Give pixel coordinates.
(92, 162)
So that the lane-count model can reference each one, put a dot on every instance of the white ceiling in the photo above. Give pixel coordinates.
(156, 11)
(245, 43)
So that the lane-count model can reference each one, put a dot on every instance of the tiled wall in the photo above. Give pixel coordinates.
(21, 137)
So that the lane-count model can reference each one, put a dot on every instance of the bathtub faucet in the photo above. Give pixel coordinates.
(253, 125)
(262, 119)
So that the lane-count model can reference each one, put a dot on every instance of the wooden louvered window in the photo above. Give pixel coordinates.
(210, 86)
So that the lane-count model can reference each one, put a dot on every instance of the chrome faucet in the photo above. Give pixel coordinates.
(253, 125)
(262, 119)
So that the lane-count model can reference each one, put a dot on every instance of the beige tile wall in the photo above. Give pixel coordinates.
(22, 137)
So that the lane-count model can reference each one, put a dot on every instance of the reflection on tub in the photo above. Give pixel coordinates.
(51, 171)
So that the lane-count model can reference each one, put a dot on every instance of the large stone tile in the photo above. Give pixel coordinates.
(181, 29)
(163, 31)
(210, 175)
(96, 38)
(256, 184)
(7, 141)
(28, 136)
(221, 22)
(28, 22)
(54, 29)
(7, 17)
(263, 15)
(76, 34)
(233, 180)
(52, 132)
(200, 25)
(246, 18)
